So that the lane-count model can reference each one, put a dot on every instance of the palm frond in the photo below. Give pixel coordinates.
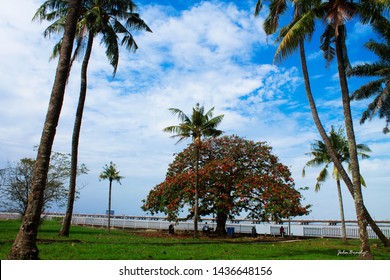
(258, 7)
(271, 23)
(371, 11)
(56, 50)
(347, 64)
(296, 33)
(327, 39)
(127, 39)
(134, 22)
(370, 89)
(322, 177)
(55, 28)
(367, 69)
(362, 181)
(110, 41)
(362, 150)
(382, 50)
(180, 114)
(51, 9)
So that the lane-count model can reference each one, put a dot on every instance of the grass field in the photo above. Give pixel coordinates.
(87, 243)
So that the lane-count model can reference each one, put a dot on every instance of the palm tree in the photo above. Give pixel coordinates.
(199, 125)
(302, 27)
(321, 157)
(24, 246)
(97, 18)
(111, 174)
(271, 24)
(379, 88)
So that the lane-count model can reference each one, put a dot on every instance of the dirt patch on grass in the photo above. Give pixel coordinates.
(237, 238)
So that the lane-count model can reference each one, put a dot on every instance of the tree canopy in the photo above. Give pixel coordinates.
(236, 176)
(16, 181)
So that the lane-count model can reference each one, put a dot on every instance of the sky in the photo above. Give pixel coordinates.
(210, 52)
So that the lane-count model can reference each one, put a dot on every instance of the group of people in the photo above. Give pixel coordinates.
(206, 230)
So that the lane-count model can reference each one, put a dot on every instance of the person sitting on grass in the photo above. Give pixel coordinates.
(171, 229)
(206, 229)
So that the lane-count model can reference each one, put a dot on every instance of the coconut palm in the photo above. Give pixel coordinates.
(102, 18)
(379, 88)
(271, 24)
(198, 125)
(111, 174)
(24, 246)
(336, 13)
(320, 157)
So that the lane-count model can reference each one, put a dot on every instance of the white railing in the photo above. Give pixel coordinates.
(297, 228)
(264, 228)
(335, 231)
(154, 224)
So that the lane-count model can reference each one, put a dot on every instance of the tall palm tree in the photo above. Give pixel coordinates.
(97, 18)
(111, 174)
(379, 88)
(271, 24)
(24, 246)
(198, 125)
(321, 157)
(293, 36)
(337, 13)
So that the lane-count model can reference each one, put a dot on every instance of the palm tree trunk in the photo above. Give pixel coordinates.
(358, 197)
(317, 120)
(109, 208)
(75, 139)
(343, 230)
(196, 198)
(328, 145)
(24, 246)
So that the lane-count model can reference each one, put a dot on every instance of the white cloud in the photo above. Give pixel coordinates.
(315, 55)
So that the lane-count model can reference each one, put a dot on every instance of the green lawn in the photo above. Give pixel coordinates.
(87, 243)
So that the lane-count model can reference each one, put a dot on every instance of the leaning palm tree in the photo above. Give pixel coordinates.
(102, 18)
(271, 24)
(379, 88)
(321, 157)
(198, 125)
(111, 174)
(336, 14)
(24, 246)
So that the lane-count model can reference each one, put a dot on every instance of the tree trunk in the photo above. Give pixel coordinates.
(331, 151)
(24, 246)
(221, 223)
(343, 230)
(75, 139)
(109, 207)
(358, 197)
(196, 198)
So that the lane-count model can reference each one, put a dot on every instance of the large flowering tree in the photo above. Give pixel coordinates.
(236, 176)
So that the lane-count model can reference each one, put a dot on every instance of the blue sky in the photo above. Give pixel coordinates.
(211, 52)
